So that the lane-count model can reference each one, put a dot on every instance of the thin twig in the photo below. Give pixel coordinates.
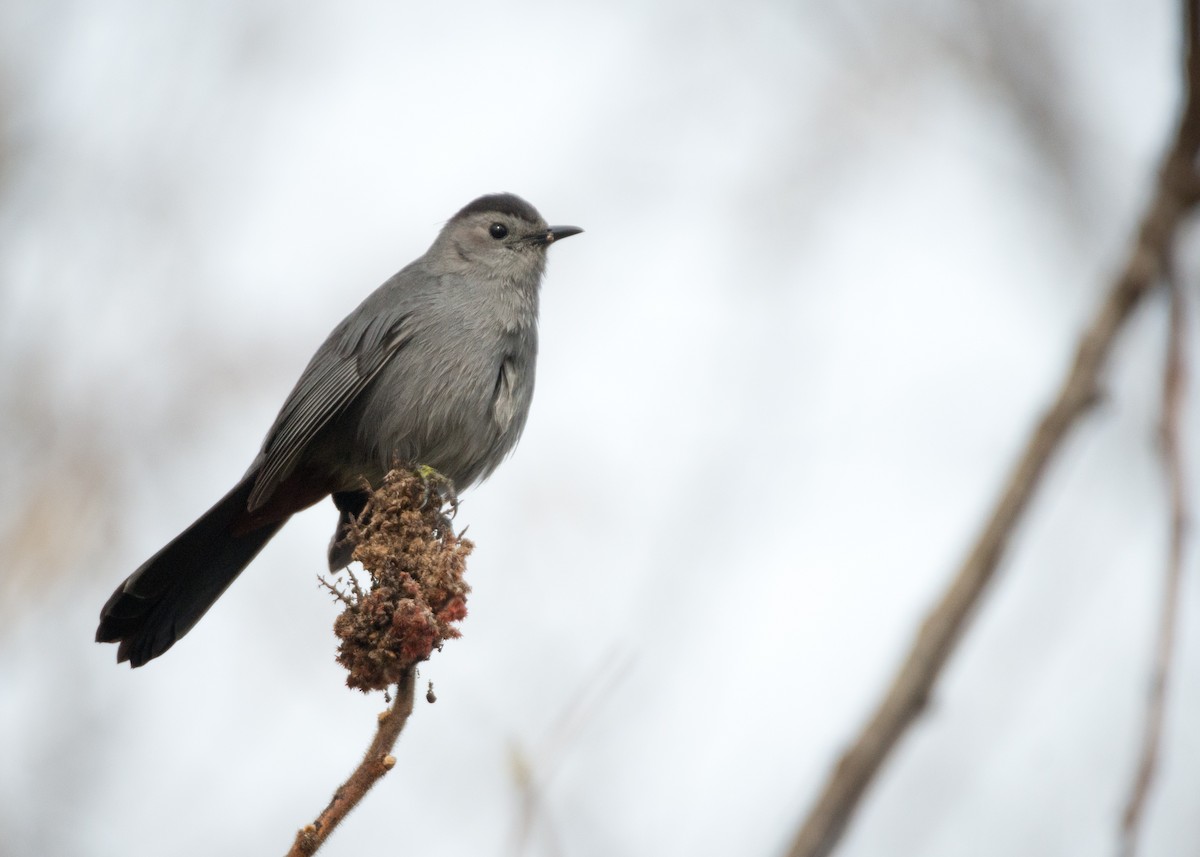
(532, 771)
(1174, 392)
(377, 762)
(1175, 194)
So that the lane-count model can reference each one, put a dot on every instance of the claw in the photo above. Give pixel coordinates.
(440, 484)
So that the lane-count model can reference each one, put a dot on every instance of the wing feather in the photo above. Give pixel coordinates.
(339, 371)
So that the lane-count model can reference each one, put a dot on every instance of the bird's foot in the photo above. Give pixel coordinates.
(433, 481)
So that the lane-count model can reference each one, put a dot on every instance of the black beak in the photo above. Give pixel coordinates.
(558, 233)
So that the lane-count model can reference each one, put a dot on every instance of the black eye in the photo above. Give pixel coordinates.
(498, 230)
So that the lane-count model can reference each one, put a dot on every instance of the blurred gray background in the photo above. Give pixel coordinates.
(837, 255)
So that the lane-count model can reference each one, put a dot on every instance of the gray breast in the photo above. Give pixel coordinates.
(455, 402)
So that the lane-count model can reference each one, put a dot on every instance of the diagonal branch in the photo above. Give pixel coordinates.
(1176, 192)
(377, 762)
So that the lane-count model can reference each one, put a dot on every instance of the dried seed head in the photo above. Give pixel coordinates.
(406, 542)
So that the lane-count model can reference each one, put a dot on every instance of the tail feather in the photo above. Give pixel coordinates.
(167, 595)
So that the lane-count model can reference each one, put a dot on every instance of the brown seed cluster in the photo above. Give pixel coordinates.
(406, 542)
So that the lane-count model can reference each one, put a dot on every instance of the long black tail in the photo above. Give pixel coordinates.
(167, 595)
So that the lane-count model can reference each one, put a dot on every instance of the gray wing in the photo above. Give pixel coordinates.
(342, 367)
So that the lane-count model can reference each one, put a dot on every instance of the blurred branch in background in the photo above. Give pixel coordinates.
(1175, 377)
(69, 473)
(1002, 52)
(533, 769)
(1176, 194)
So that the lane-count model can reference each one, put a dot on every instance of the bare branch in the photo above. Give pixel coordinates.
(1175, 195)
(1174, 392)
(377, 762)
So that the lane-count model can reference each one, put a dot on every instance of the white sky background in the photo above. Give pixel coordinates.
(836, 259)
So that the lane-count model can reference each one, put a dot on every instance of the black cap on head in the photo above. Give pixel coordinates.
(504, 203)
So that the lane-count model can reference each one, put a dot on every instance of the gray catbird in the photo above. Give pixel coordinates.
(434, 368)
